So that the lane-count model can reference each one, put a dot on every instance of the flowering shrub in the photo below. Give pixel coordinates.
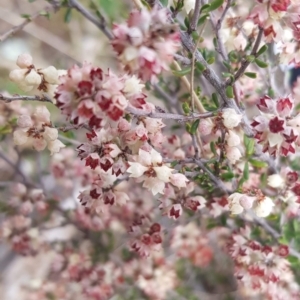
(171, 175)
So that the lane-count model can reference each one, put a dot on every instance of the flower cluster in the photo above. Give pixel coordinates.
(37, 131)
(275, 128)
(261, 204)
(29, 78)
(262, 269)
(147, 43)
(88, 94)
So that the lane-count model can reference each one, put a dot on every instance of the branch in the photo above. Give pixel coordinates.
(17, 28)
(8, 99)
(101, 24)
(159, 115)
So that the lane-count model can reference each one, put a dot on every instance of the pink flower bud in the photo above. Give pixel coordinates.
(20, 137)
(24, 60)
(233, 154)
(37, 195)
(205, 127)
(39, 144)
(233, 139)
(17, 75)
(24, 121)
(33, 78)
(18, 189)
(50, 75)
(42, 114)
(246, 202)
(179, 180)
(50, 134)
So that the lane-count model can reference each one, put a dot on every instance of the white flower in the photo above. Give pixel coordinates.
(55, 146)
(189, 5)
(234, 203)
(230, 118)
(275, 181)
(133, 86)
(264, 207)
(24, 61)
(150, 169)
(136, 169)
(163, 173)
(239, 202)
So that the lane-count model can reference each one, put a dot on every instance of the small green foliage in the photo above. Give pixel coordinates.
(68, 15)
(250, 74)
(182, 72)
(229, 91)
(262, 50)
(261, 63)
(249, 145)
(258, 163)
(194, 126)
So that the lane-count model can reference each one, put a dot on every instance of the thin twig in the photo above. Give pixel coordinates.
(19, 27)
(17, 170)
(99, 23)
(8, 99)
(159, 115)
(195, 17)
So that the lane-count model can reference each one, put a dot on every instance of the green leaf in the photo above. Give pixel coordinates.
(249, 145)
(293, 260)
(195, 126)
(214, 98)
(202, 19)
(68, 15)
(174, 163)
(5, 129)
(233, 57)
(227, 176)
(26, 16)
(204, 7)
(186, 108)
(200, 66)
(250, 74)
(210, 60)
(262, 50)
(182, 72)
(45, 14)
(227, 65)
(188, 127)
(215, 4)
(213, 148)
(258, 163)
(246, 171)
(250, 58)
(229, 91)
(30, 1)
(261, 63)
